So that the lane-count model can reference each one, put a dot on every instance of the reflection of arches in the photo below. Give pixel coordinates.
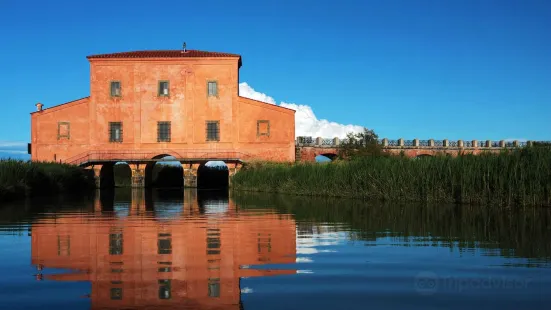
(107, 198)
(213, 175)
(163, 175)
(213, 201)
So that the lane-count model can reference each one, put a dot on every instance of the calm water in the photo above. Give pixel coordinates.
(204, 250)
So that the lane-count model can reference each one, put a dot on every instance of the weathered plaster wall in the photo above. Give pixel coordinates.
(188, 107)
(47, 145)
(280, 144)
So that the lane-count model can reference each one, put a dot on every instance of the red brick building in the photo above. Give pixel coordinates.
(170, 102)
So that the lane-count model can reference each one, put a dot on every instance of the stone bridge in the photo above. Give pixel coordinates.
(308, 148)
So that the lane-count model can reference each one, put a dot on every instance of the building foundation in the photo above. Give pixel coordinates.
(138, 175)
(190, 174)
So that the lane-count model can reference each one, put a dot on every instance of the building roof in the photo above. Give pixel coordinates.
(164, 54)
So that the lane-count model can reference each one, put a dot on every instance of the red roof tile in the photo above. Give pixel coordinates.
(163, 54)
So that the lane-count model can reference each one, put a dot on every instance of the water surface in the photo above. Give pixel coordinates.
(127, 249)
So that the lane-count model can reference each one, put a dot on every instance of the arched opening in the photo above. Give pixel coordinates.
(321, 158)
(424, 156)
(213, 175)
(122, 175)
(165, 173)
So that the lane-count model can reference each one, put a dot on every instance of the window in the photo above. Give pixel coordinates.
(213, 241)
(115, 244)
(262, 128)
(115, 132)
(116, 293)
(164, 289)
(163, 131)
(213, 131)
(115, 88)
(164, 266)
(164, 244)
(212, 88)
(214, 287)
(63, 130)
(163, 89)
(63, 245)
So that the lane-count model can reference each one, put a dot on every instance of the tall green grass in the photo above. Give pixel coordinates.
(25, 178)
(519, 177)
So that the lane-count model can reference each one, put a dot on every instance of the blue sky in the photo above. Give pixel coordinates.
(456, 69)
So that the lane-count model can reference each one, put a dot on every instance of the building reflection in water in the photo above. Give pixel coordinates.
(166, 251)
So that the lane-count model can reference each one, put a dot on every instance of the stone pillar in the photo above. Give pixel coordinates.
(336, 141)
(138, 175)
(445, 143)
(105, 180)
(385, 142)
(233, 168)
(190, 174)
(416, 142)
(401, 142)
(97, 202)
(319, 141)
(502, 143)
(431, 143)
(475, 143)
(488, 143)
(460, 143)
(97, 174)
(137, 205)
(515, 143)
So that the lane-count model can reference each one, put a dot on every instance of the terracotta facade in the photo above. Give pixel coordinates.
(255, 129)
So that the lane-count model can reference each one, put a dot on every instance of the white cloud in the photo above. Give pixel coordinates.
(246, 90)
(13, 151)
(306, 122)
(246, 290)
(13, 144)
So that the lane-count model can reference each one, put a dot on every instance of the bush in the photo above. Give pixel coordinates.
(518, 177)
(25, 178)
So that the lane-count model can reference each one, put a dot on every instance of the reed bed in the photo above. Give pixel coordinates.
(517, 177)
(20, 179)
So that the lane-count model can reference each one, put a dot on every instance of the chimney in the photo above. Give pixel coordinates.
(39, 106)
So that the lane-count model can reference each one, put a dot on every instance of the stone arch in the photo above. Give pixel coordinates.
(170, 176)
(122, 174)
(330, 156)
(213, 175)
(424, 155)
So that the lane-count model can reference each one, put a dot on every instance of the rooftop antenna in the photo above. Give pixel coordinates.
(184, 47)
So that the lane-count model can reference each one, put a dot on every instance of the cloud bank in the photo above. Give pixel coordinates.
(306, 122)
